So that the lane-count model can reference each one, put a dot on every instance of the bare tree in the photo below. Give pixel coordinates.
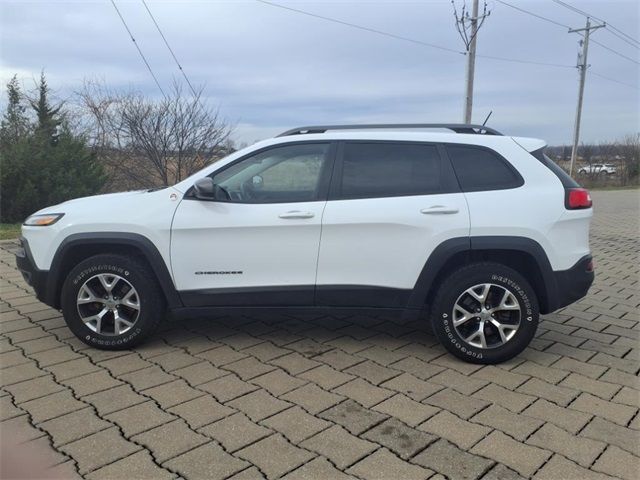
(146, 142)
(587, 152)
(629, 151)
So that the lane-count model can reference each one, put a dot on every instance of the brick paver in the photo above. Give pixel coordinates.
(337, 396)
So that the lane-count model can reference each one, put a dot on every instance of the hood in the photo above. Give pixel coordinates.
(106, 197)
(94, 199)
(111, 201)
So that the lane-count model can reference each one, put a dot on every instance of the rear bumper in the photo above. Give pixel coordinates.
(37, 279)
(572, 284)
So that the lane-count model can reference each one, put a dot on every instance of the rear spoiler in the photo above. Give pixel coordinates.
(530, 144)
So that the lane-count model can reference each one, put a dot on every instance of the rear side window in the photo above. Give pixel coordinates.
(389, 170)
(563, 176)
(481, 169)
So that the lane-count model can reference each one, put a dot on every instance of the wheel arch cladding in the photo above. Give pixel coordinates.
(520, 253)
(80, 246)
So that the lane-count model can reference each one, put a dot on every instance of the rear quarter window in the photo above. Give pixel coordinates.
(563, 176)
(479, 169)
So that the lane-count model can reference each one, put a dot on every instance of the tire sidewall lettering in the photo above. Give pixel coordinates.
(454, 340)
(120, 340)
(517, 290)
(97, 269)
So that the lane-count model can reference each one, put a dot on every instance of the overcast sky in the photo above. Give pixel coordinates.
(271, 69)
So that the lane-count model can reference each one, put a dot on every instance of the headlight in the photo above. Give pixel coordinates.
(43, 220)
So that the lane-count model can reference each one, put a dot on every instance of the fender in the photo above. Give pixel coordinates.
(438, 258)
(447, 249)
(140, 242)
(547, 298)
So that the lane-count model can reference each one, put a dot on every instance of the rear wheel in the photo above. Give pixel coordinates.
(112, 302)
(485, 313)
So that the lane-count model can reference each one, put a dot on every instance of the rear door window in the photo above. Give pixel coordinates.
(388, 169)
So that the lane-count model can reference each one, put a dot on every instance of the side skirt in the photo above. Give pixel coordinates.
(299, 296)
(185, 313)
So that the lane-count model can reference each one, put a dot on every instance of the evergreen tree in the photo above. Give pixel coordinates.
(15, 123)
(48, 116)
(43, 163)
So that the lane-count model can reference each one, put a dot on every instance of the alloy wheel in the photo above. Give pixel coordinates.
(486, 315)
(108, 304)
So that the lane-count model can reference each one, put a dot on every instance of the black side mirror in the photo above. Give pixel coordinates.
(205, 189)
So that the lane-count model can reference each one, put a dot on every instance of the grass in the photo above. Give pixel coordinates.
(9, 231)
(611, 187)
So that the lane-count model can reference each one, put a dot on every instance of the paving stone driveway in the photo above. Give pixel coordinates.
(335, 397)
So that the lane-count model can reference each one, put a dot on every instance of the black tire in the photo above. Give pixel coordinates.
(149, 297)
(504, 278)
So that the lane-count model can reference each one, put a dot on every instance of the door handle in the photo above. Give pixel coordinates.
(439, 210)
(296, 214)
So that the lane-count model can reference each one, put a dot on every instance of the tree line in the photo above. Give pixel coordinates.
(43, 161)
(101, 140)
(104, 140)
(623, 154)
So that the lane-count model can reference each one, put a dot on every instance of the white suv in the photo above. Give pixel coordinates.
(480, 231)
(598, 169)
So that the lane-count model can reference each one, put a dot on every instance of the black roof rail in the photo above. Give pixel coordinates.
(455, 127)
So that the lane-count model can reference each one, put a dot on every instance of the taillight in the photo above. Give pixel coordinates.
(576, 198)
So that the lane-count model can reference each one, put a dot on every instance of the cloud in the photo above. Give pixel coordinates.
(270, 69)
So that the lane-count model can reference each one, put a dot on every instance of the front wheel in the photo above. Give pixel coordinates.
(112, 302)
(485, 313)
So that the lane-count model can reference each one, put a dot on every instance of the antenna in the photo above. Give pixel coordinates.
(487, 119)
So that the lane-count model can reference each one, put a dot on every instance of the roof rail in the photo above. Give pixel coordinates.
(455, 127)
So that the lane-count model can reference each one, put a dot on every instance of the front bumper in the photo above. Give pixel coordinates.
(37, 279)
(573, 284)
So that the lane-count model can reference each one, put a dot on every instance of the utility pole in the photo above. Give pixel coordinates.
(468, 26)
(582, 67)
(471, 63)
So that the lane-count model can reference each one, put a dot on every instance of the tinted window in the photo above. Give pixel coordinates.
(279, 175)
(481, 169)
(389, 169)
(564, 177)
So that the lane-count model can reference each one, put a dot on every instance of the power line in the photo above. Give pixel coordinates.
(534, 14)
(623, 34)
(615, 52)
(360, 27)
(614, 80)
(406, 39)
(138, 47)
(193, 91)
(530, 62)
(621, 37)
(577, 10)
(613, 30)
(419, 42)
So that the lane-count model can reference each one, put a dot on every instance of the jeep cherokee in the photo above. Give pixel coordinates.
(479, 231)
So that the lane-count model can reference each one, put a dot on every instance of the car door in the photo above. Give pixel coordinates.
(390, 205)
(259, 246)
